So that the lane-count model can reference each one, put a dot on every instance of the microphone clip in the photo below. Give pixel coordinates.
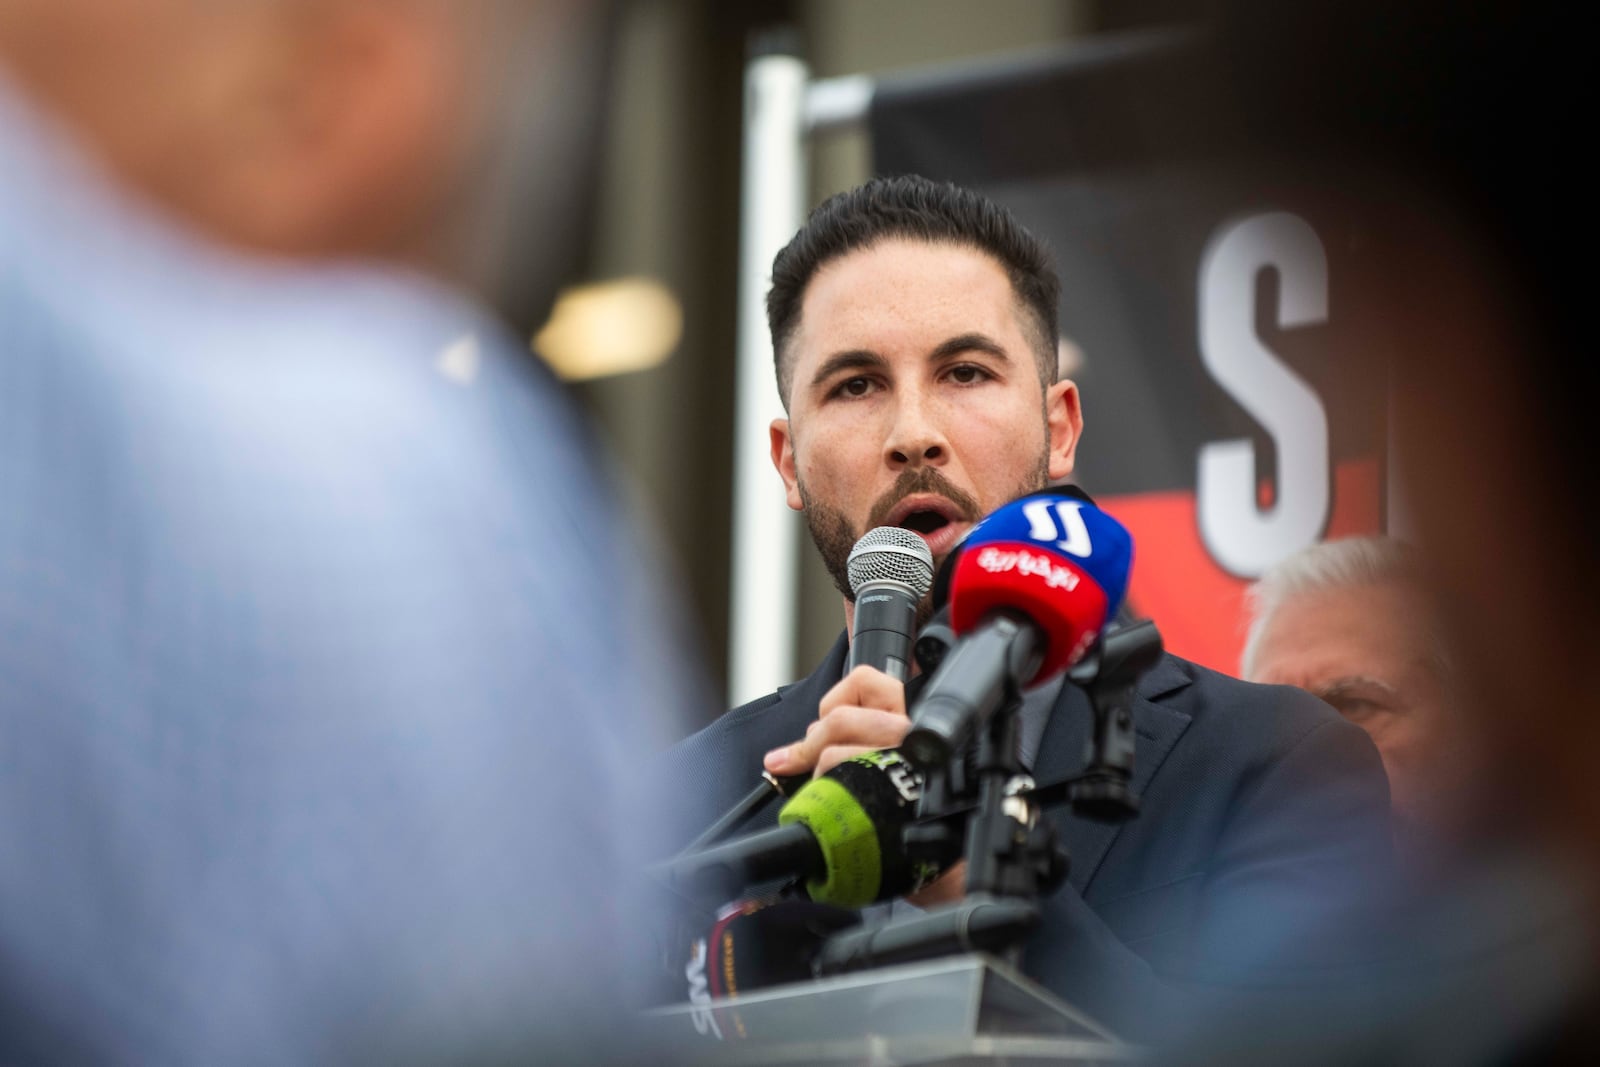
(1109, 675)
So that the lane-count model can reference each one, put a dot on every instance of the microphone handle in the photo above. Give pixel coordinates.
(887, 650)
(769, 788)
(885, 620)
(732, 867)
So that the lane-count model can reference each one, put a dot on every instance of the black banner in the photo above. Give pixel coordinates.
(1233, 389)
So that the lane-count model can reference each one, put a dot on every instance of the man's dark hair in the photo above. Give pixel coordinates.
(918, 209)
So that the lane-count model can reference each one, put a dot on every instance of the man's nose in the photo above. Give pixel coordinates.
(917, 438)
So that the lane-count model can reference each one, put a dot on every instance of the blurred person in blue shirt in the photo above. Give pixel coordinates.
(326, 653)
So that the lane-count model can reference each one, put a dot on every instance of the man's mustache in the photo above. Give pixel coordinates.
(923, 480)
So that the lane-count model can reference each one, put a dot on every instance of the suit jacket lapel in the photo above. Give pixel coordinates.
(776, 724)
(808, 692)
(1063, 751)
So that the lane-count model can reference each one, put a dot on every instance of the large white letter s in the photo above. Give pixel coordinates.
(1241, 536)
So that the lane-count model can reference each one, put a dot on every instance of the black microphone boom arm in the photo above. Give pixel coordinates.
(979, 675)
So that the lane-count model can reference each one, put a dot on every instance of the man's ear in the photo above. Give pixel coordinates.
(783, 460)
(1064, 423)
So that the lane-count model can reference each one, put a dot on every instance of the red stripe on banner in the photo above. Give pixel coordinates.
(1198, 606)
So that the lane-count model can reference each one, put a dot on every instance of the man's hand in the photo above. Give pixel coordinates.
(864, 712)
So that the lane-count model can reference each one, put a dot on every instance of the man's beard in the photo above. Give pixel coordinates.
(834, 537)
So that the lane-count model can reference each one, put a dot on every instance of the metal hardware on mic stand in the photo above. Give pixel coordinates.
(1007, 850)
(1012, 854)
(934, 642)
(1011, 857)
(1111, 676)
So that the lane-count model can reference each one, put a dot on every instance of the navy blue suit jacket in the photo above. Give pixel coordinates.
(1264, 819)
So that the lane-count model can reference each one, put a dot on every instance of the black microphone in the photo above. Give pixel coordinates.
(721, 871)
(890, 572)
(842, 834)
(746, 946)
(771, 785)
(979, 674)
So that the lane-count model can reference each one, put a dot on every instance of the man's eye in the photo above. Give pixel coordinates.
(1356, 709)
(854, 387)
(967, 374)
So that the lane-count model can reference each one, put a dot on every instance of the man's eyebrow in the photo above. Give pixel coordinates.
(865, 359)
(851, 359)
(969, 342)
(1351, 683)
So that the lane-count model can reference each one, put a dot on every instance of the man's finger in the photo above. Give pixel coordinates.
(864, 687)
(869, 728)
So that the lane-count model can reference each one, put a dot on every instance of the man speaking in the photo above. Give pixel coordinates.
(914, 327)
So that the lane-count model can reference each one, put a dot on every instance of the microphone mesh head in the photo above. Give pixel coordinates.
(890, 553)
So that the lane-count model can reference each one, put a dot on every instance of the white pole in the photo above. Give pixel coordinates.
(838, 104)
(766, 534)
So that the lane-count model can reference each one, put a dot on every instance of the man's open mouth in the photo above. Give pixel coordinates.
(924, 513)
(934, 517)
(924, 522)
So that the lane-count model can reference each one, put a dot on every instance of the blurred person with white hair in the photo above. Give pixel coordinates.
(1354, 623)
(1476, 275)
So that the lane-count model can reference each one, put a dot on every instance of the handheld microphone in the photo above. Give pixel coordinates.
(890, 572)
(842, 833)
(1030, 592)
